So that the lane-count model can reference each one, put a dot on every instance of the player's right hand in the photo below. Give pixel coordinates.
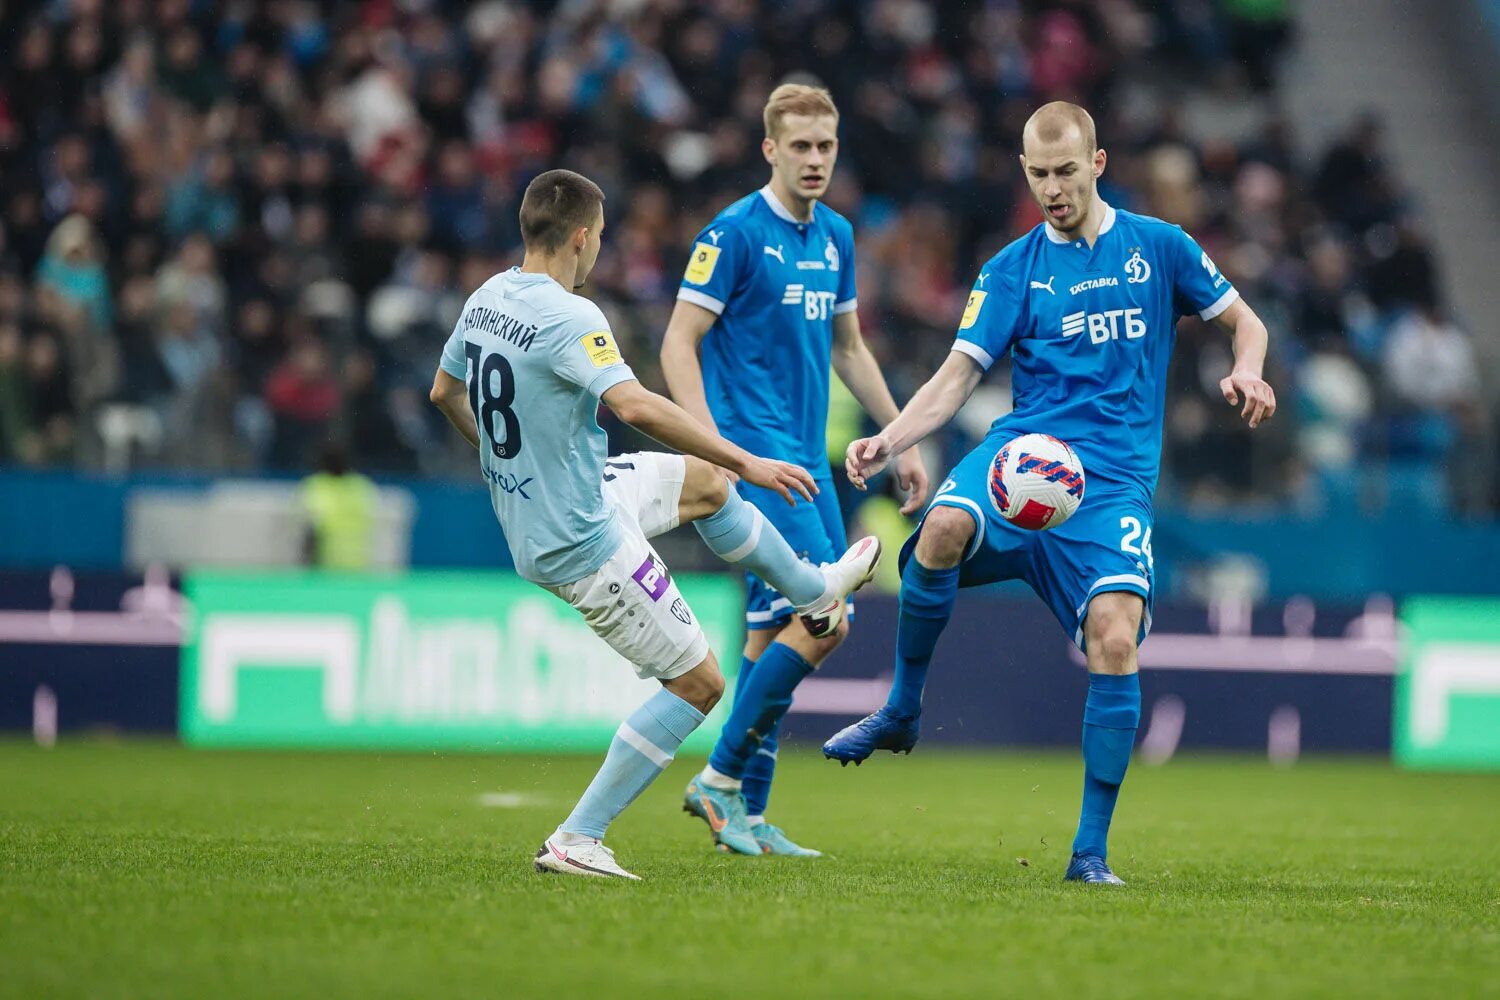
(783, 477)
(865, 458)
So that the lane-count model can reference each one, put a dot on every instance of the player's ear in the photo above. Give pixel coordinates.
(1099, 161)
(768, 150)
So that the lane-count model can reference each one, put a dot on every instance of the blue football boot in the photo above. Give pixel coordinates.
(1091, 868)
(885, 730)
(773, 841)
(724, 812)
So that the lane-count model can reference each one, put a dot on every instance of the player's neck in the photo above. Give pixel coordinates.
(563, 270)
(1093, 220)
(801, 208)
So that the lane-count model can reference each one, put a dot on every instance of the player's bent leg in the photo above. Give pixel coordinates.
(929, 587)
(740, 534)
(1111, 716)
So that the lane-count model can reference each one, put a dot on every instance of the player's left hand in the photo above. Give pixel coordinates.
(1259, 397)
(911, 476)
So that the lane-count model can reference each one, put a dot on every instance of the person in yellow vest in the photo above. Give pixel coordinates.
(340, 505)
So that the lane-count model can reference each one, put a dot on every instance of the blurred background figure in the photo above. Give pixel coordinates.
(341, 509)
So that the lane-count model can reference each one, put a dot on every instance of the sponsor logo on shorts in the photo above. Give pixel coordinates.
(653, 577)
(680, 611)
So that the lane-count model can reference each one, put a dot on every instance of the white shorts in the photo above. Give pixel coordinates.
(632, 602)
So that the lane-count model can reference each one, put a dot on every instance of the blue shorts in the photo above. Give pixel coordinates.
(815, 531)
(1104, 547)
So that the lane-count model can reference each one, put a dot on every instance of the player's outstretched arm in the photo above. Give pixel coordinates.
(452, 397)
(930, 407)
(674, 427)
(1245, 382)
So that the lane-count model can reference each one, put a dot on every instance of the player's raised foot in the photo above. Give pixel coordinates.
(884, 730)
(1092, 869)
(724, 812)
(854, 569)
(588, 858)
(773, 840)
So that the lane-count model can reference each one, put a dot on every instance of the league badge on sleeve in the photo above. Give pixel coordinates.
(701, 265)
(601, 348)
(971, 311)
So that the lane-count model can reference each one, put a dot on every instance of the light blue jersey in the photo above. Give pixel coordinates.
(536, 359)
(1090, 332)
(775, 283)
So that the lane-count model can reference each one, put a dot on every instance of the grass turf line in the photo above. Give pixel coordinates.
(143, 869)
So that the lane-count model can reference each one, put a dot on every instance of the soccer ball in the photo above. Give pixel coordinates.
(1036, 482)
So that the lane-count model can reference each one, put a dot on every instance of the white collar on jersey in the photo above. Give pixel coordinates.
(782, 212)
(1104, 227)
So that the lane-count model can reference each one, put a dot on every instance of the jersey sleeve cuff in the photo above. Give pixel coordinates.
(448, 367)
(708, 302)
(974, 351)
(609, 378)
(839, 308)
(1223, 302)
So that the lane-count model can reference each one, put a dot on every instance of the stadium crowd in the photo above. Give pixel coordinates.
(231, 231)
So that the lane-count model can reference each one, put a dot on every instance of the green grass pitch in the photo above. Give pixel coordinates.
(143, 869)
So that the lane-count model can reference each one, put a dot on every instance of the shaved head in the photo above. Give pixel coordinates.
(1063, 163)
(1060, 122)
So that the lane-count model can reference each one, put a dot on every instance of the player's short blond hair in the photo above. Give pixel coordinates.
(796, 99)
(1051, 122)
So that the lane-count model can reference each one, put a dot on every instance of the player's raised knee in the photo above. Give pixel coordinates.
(945, 537)
(704, 490)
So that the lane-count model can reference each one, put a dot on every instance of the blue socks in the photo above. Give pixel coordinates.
(761, 767)
(1110, 718)
(740, 534)
(927, 597)
(759, 703)
(642, 748)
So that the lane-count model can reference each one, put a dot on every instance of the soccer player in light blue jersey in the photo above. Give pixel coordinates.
(769, 295)
(1086, 305)
(521, 379)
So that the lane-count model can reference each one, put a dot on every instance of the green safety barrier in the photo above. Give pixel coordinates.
(1447, 707)
(474, 661)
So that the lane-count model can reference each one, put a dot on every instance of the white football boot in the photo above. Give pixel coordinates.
(853, 570)
(589, 858)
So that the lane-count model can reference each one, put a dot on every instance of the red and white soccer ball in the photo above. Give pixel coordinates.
(1036, 482)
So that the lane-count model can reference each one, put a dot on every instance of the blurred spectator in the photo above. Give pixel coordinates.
(304, 398)
(1429, 363)
(340, 505)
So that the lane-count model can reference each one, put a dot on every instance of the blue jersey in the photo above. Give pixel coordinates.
(1090, 333)
(775, 283)
(536, 359)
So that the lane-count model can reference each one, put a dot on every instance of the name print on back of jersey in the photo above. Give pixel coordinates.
(505, 327)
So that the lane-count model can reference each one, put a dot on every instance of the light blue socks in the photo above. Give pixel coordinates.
(740, 534)
(642, 748)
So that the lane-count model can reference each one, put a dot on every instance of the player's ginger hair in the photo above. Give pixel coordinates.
(796, 99)
(1051, 122)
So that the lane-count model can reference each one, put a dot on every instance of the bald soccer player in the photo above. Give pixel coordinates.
(1086, 305)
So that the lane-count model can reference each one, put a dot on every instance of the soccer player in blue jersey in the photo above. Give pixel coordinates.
(521, 378)
(769, 295)
(1086, 304)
